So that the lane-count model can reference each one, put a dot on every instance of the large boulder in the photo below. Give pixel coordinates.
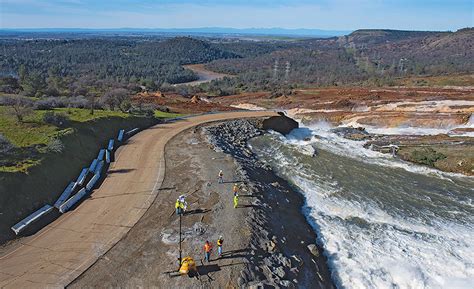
(281, 124)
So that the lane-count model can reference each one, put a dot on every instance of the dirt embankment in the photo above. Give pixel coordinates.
(265, 242)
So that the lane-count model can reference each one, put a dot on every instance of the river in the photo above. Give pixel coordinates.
(383, 223)
(204, 75)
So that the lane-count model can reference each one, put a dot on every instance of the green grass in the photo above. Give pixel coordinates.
(34, 131)
(31, 132)
(20, 166)
(162, 114)
(83, 115)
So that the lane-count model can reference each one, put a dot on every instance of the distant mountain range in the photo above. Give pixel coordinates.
(302, 32)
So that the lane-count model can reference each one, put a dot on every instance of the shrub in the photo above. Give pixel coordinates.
(147, 109)
(19, 106)
(427, 156)
(55, 146)
(57, 119)
(77, 102)
(48, 103)
(117, 98)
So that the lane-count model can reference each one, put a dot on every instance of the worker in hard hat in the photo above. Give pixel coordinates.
(220, 241)
(207, 251)
(236, 200)
(235, 189)
(184, 204)
(221, 177)
(178, 206)
(181, 205)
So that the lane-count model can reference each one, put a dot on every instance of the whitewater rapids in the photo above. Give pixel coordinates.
(383, 223)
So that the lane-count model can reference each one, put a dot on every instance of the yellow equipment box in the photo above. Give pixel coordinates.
(187, 265)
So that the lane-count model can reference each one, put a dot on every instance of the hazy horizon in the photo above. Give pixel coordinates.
(339, 15)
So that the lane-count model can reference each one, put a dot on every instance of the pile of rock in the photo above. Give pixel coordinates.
(273, 260)
(353, 133)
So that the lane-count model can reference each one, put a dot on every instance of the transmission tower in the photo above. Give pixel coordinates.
(275, 69)
(287, 70)
(401, 64)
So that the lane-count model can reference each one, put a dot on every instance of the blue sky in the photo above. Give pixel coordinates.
(320, 14)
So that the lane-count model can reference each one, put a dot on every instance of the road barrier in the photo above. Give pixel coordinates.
(20, 226)
(72, 200)
(132, 132)
(93, 165)
(120, 135)
(82, 177)
(110, 147)
(65, 195)
(107, 156)
(101, 154)
(91, 183)
(98, 169)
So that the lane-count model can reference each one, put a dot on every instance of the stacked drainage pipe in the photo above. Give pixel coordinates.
(85, 183)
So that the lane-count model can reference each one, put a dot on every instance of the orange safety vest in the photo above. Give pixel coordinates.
(207, 247)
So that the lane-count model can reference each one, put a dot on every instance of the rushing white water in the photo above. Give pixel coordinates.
(383, 223)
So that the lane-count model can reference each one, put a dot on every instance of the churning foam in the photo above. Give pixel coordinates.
(379, 232)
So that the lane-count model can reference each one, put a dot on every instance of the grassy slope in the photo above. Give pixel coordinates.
(33, 182)
(33, 132)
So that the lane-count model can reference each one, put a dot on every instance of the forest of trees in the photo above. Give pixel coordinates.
(84, 67)
(77, 67)
(373, 57)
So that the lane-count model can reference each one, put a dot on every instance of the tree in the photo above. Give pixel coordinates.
(53, 82)
(91, 100)
(118, 97)
(34, 85)
(9, 84)
(22, 73)
(20, 107)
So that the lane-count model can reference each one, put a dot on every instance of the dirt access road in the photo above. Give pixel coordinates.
(60, 252)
